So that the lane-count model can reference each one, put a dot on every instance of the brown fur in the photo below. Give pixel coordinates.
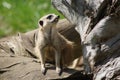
(67, 54)
(49, 40)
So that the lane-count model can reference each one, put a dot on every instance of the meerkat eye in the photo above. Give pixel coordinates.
(49, 17)
(41, 23)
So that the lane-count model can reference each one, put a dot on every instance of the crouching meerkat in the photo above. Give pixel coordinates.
(49, 38)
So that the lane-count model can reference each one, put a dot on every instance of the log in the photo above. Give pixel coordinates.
(16, 52)
(17, 61)
(100, 48)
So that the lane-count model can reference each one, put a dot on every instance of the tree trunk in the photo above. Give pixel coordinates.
(98, 24)
(86, 16)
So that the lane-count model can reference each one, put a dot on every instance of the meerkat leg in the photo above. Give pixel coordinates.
(57, 60)
(40, 55)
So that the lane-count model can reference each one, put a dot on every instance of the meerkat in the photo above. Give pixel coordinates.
(49, 38)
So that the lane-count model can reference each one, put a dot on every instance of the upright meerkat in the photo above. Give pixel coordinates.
(49, 38)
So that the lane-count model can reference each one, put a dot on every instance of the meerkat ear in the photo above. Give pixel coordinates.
(41, 23)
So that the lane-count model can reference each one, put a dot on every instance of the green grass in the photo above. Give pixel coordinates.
(22, 15)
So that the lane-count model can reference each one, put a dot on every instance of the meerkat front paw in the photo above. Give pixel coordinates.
(58, 71)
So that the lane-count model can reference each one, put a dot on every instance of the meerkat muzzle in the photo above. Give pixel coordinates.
(56, 19)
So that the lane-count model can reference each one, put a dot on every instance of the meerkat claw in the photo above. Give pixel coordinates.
(59, 71)
(43, 70)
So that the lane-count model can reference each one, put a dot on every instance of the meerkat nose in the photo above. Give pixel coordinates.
(58, 16)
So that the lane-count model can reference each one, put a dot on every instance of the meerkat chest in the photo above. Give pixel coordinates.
(50, 35)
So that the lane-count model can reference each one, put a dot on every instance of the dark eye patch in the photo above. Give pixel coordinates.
(41, 23)
(50, 17)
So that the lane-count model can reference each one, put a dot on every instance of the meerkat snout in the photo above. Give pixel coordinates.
(56, 19)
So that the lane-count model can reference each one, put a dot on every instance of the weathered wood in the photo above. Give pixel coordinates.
(90, 20)
(16, 52)
(24, 68)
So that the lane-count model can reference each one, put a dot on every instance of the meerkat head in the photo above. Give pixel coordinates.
(48, 20)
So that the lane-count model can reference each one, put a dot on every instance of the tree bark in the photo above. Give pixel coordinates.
(16, 52)
(91, 19)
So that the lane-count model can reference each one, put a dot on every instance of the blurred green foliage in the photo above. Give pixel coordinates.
(22, 15)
